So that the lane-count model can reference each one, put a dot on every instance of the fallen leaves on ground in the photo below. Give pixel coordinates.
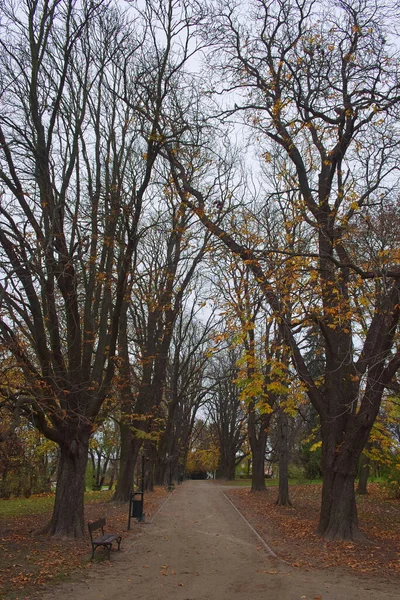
(30, 560)
(291, 531)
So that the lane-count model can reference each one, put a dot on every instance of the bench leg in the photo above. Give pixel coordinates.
(109, 546)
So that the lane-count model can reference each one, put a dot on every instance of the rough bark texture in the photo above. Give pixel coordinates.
(227, 467)
(126, 466)
(68, 514)
(338, 518)
(257, 476)
(283, 490)
(363, 476)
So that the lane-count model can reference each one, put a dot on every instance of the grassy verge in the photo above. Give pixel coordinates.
(37, 505)
(30, 561)
(271, 482)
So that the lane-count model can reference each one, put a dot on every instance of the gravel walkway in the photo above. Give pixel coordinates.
(199, 548)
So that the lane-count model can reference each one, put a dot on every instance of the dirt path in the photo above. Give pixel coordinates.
(199, 548)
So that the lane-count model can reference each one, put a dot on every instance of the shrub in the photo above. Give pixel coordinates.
(392, 483)
(296, 472)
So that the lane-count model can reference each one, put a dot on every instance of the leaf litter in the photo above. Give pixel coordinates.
(291, 531)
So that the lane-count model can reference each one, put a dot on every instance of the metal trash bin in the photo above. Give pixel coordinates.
(136, 507)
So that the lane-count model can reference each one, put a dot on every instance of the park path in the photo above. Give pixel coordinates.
(198, 547)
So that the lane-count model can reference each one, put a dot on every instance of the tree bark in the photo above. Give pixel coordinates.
(257, 473)
(338, 517)
(148, 484)
(258, 440)
(227, 467)
(114, 467)
(258, 433)
(129, 452)
(364, 474)
(283, 491)
(68, 514)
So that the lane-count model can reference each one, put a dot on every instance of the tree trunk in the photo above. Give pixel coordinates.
(258, 428)
(230, 468)
(126, 466)
(68, 514)
(160, 476)
(257, 473)
(227, 466)
(343, 440)
(229, 471)
(114, 466)
(364, 474)
(159, 457)
(283, 492)
(338, 518)
(149, 477)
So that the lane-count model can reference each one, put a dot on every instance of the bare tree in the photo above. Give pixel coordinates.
(170, 255)
(227, 411)
(75, 165)
(320, 86)
(186, 386)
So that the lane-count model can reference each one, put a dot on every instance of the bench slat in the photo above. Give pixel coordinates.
(105, 540)
(99, 524)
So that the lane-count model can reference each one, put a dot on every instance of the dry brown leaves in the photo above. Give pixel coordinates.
(291, 531)
(30, 560)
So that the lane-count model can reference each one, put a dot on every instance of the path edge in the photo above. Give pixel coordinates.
(258, 536)
(161, 506)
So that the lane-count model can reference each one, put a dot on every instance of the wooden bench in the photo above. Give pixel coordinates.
(106, 539)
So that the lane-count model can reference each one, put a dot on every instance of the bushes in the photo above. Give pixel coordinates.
(392, 483)
(296, 472)
(23, 483)
(311, 458)
(27, 463)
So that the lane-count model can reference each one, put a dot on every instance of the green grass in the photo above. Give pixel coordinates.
(272, 482)
(17, 507)
(293, 481)
(36, 505)
(236, 482)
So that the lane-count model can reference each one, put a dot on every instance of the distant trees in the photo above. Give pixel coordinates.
(28, 462)
(104, 448)
(203, 456)
(186, 389)
(167, 260)
(227, 411)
